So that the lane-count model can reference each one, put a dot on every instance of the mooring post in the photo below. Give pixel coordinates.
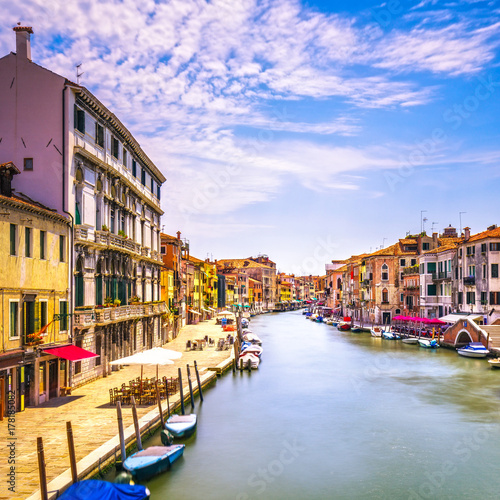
(41, 469)
(168, 401)
(72, 456)
(181, 392)
(136, 424)
(159, 405)
(190, 385)
(198, 379)
(120, 430)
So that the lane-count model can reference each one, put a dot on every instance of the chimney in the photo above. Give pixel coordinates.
(435, 240)
(23, 42)
(7, 172)
(467, 233)
(178, 235)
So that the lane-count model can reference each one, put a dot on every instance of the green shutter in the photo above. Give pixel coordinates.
(13, 239)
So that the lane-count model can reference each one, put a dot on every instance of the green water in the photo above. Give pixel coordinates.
(343, 416)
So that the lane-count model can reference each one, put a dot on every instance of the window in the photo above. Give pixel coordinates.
(425, 246)
(413, 262)
(494, 298)
(483, 247)
(98, 348)
(484, 299)
(471, 297)
(484, 272)
(43, 313)
(27, 241)
(43, 237)
(163, 250)
(78, 364)
(158, 191)
(385, 296)
(460, 297)
(385, 272)
(402, 262)
(495, 247)
(13, 237)
(143, 177)
(62, 248)
(124, 159)
(115, 147)
(152, 185)
(79, 118)
(472, 270)
(494, 270)
(28, 164)
(99, 135)
(134, 168)
(431, 267)
(63, 315)
(471, 251)
(13, 319)
(431, 290)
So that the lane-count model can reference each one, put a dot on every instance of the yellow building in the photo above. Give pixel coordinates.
(34, 277)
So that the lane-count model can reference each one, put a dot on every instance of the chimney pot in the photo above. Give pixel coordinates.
(467, 233)
(23, 42)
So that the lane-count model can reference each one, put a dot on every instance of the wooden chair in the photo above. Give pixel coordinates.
(188, 345)
(112, 399)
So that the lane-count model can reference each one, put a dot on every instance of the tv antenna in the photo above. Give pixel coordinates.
(79, 73)
(422, 220)
(433, 224)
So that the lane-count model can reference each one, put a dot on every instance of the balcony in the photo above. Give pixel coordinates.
(411, 270)
(102, 315)
(470, 280)
(441, 275)
(365, 283)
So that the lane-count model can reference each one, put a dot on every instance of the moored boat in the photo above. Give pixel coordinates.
(94, 488)
(494, 363)
(428, 343)
(252, 337)
(356, 329)
(410, 340)
(473, 350)
(254, 349)
(151, 461)
(248, 359)
(181, 425)
(376, 331)
(344, 326)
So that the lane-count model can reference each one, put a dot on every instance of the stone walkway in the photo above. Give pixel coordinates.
(93, 418)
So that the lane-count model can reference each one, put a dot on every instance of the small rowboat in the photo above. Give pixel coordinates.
(254, 349)
(248, 359)
(93, 488)
(344, 326)
(151, 461)
(376, 331)
(356, 329)
(410, 340)
(494, 363)
(181, 425)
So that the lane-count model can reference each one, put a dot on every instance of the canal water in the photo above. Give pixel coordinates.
(333, 415)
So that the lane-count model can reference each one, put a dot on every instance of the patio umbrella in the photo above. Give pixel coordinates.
(225, 313)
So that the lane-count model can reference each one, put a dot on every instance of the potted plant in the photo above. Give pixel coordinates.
(134, 300)
(34, 339)
(121, 233)
(117, 303)
(104, 228)
(108, 302)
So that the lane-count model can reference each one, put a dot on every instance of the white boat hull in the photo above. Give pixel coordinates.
(410, 341)
(470, 354)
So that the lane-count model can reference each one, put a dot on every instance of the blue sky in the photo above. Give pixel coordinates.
(308, 131)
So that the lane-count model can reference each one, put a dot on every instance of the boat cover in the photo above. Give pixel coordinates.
(177, 419)
(104, 490)
(153, 455)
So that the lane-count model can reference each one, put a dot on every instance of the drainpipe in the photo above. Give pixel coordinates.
(71, 244)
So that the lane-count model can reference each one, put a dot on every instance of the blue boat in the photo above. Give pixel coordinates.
(104, 490)
(428, 343)
(153, 460)
(181, 425)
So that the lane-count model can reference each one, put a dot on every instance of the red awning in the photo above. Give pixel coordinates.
(70, 352)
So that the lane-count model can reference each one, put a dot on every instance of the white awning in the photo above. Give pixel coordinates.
(206, 310)
(453, 318)
(194, 312)
(212, 309)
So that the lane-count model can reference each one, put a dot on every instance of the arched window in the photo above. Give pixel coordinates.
(79, 287)
(385, 296)
(385, 272)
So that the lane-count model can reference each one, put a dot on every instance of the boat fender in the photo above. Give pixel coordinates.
(124, 478)
(166, 438)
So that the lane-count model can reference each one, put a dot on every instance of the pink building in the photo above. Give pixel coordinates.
(78, 158)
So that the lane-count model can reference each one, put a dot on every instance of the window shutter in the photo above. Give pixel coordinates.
(75, 116)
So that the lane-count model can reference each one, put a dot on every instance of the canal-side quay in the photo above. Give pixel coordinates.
(94, 419)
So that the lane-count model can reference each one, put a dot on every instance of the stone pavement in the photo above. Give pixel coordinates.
(93, 418)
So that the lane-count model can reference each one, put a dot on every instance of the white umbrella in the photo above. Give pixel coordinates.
(225, 313)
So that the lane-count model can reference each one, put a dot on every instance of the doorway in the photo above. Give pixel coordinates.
(386, 318)
(53, 379)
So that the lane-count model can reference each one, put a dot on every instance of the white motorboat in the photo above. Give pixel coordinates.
(410, 340)
(494, 363)
(376, 331)
(252, 337)
(248, 359)
(428, 343)
(254, 349)
(473, 350)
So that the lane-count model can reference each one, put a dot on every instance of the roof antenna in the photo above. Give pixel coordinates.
(79, 73)
(433, 224)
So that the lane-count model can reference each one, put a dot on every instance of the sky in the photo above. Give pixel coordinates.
(304, 130)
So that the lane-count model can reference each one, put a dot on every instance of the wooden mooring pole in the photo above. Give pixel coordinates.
(181, 391)
(41, 469)
(198, 380)
(72, 455)
(120, 430)
(136, 425)
(159, 405)
(190, 385)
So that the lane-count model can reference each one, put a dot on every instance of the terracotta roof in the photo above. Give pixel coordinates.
(29, 29)
(492, 233)
(34, 206)
(441, 249)
(408, 241)
(195, 260)
(241, 263)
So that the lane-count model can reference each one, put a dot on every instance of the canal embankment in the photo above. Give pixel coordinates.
(94, 418)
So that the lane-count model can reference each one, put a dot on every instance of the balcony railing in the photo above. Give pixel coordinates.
(470, 280)
(411, 270)
(90, 316)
